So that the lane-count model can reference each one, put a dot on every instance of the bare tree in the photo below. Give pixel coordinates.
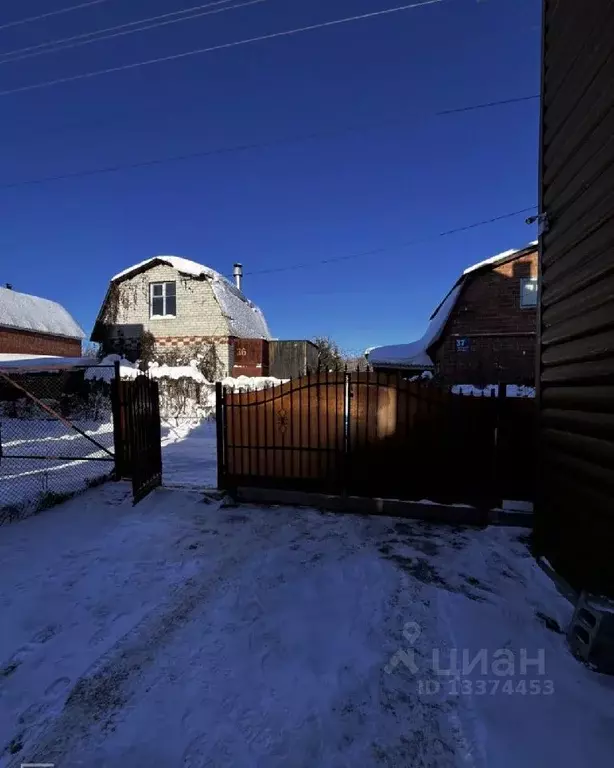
(330, 357)
(357, 363)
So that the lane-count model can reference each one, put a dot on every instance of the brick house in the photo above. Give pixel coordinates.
(180, 304)
(483, 332)
(30, 325)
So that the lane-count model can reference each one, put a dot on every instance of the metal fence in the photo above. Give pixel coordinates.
(56, 436)
(377, 435)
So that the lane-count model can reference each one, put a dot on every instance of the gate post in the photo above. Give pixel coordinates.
(347, 394)
(220, 433)
(500, 455)
(119, 433)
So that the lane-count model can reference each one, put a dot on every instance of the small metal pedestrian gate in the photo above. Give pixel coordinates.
(138, 435)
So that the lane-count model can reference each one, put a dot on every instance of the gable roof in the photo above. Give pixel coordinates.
(32, 313)
(416, 353)
(245, 319)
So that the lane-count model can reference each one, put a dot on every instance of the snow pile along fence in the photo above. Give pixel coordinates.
(185, 393)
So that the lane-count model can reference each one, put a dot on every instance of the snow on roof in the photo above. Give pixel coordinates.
(177, 262)
(32, 313)
(404, 355)
(416, 354)
(498, 257)
(10, 360)
(246, 320)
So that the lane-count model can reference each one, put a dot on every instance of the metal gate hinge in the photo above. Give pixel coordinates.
(543, 222)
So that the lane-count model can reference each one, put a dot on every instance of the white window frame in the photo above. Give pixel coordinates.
(524, 281)
(164, 284)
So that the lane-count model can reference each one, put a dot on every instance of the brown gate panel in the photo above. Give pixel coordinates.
(137, 433)
(383, 416)
(290, 436)
(409, 440)
(375, 435)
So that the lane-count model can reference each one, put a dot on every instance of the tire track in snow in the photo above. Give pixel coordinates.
(109, 684)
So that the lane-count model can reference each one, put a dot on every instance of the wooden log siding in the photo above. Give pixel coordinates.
(575, 509)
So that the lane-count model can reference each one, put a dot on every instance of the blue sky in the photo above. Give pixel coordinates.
(405, 175)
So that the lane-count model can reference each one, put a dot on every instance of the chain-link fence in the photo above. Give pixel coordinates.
(56, 436)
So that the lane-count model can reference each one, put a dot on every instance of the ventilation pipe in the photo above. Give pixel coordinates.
(237, 272)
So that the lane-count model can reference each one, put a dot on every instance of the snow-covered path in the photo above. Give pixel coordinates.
(189, 453)
(185, 633)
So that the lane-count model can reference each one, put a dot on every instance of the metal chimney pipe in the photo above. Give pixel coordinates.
(237, 273)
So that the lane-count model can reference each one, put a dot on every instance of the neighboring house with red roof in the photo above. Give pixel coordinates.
(31, 325)
(483, 332)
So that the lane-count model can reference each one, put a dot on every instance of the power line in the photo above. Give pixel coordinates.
(120, 116)
(51, 13)
(223, 46)
(236, 148)
(387, 248)
(55, 46)
(490, 104)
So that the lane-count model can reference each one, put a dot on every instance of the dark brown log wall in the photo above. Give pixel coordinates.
(575, 513)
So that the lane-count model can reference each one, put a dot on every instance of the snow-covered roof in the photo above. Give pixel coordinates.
(177, 262)
(31, 313)
(415, 354)
(14, 361)
(498, 257)
(246, 320)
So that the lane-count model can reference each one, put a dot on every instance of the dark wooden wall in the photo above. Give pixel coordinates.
(575, 513)
(289, 359)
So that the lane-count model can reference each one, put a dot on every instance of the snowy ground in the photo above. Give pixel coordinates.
(184, 633)
(25, 481)
(189, 453)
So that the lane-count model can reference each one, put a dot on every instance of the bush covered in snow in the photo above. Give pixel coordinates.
(185, 393)
(202, 357)
(251, 383)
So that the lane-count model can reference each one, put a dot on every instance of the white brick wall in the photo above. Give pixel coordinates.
(199, 315)
(198, 312)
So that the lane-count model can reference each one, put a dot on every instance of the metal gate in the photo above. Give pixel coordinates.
(360, 434)
(414, 440)
(137, 434)
(290, 436)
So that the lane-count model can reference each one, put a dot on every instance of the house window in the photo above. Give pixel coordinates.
(162, 300)
(528, 292)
